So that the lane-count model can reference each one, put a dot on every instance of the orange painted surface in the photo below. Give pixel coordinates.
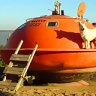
(60, 47)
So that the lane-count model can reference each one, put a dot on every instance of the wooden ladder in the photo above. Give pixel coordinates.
(15, 72)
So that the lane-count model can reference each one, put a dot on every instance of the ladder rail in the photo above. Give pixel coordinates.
(19, 46)
(16, 52)
(26, 68)
(30, 60)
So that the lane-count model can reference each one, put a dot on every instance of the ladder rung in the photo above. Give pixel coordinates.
(4, 85)
(12, 86)
(13, 70)
(15, 57)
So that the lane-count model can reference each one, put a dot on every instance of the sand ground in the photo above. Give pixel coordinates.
(80, 88)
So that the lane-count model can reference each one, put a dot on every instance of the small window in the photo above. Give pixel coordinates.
(52, 24)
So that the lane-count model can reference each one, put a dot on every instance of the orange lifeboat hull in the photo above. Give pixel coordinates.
(59, 60)
(60, 46)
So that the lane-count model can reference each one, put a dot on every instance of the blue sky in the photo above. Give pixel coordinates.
(15, 12)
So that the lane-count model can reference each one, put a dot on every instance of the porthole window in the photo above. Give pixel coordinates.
(52, 24)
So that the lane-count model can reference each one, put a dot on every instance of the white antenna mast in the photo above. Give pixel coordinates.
(57, 6)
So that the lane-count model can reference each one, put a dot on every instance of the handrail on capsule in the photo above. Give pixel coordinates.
(29, 19)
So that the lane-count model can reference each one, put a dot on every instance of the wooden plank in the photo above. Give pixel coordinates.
(13, 70)
(12, 86)
(15, 57)
(4, 83)
(3, 87)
